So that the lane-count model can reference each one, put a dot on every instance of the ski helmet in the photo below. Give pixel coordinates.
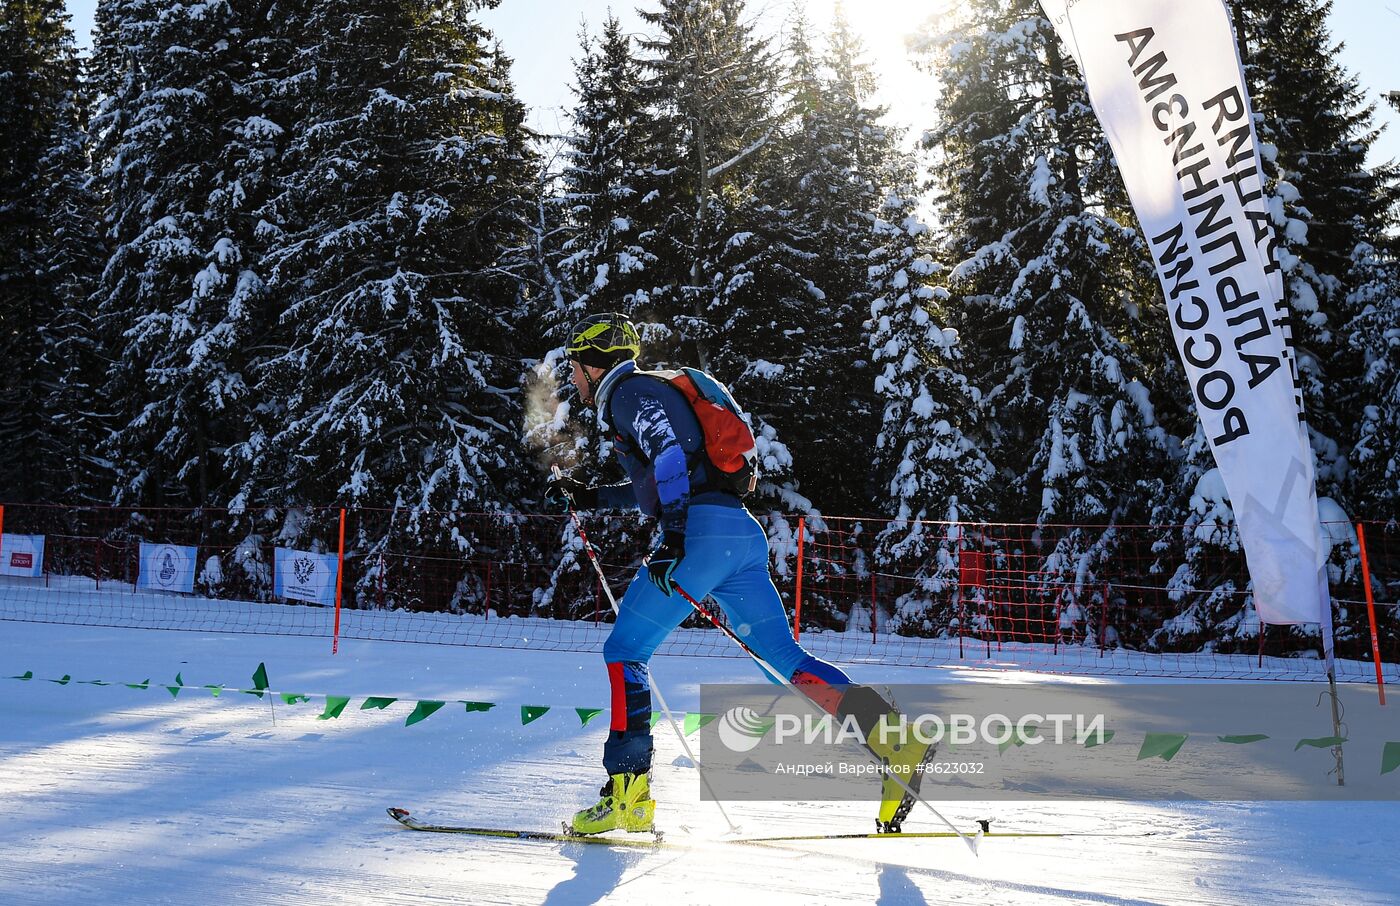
(603, 340)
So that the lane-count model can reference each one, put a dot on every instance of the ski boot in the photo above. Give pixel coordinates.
(891, 739)
(626, 804)
(907, 757)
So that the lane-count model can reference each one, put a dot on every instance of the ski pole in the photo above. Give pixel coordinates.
(592, 555)
(700, 609)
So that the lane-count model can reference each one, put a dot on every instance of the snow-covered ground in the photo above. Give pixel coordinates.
(119, 795)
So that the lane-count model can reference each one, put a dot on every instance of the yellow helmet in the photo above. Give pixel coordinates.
(603, 340)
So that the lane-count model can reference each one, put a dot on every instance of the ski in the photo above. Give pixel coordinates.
(403, 817)
(939, 835)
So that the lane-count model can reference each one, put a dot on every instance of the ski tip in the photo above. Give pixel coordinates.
(398, 814)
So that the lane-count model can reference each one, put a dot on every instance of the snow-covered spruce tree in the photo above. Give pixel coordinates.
(398, 387)
(182, 154)
(1056, 297)
(592, 259)
(1326, 201)
(837, 160)
(71, 369)
(853, 197)
(47, 248)
(1374, 335)
(927, 453)
(602, 190)
(605, 179)
(727, 292)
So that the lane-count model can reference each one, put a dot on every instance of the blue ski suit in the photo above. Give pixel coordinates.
(659, 442)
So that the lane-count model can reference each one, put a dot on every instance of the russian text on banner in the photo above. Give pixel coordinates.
(1165, 81)
(22, 555)
(304, 576)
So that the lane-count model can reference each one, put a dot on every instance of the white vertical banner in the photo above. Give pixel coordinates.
(166, 567)
(1165, 80)
(304, 576)
(22, 555)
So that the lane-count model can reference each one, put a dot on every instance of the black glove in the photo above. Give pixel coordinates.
(662, 563)
(563, 494)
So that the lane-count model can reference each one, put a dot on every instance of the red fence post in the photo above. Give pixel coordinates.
(1371, 610)
(1103, 621)
(339, 583)
(797, 594)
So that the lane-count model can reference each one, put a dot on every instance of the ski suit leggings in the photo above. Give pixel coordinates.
(726, 557)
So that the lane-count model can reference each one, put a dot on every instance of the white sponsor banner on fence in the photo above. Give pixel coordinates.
(304, 576)
(1165, 80)
(166, 567)
(22, 555)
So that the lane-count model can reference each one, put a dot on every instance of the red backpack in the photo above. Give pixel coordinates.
(727, 443)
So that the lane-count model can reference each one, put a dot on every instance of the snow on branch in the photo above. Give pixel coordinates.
(717, 170)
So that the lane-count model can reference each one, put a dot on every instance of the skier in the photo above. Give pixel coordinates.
(709, 545)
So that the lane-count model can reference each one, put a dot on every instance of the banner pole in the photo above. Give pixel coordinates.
(1370, 608)
(1336, 724)
(339, 583)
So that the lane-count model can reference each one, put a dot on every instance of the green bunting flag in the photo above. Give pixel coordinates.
(1242, 740)
(1161, 745)
(587, 714)
(334, 705)
(175, 689)
(146, 684)
(259, 681)
(1016, 739)
(93, 682)
(62, 682)
(28, 675)
(695, 721)
(215, 690)
(479, 706)
(530, 713)
(377, 703)
(1089, 740)
(1390, 757)
(1322, 742)
(291, 698)
(655, 716)
(422, 711)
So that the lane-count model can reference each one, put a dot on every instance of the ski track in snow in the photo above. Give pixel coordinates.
(120, 796)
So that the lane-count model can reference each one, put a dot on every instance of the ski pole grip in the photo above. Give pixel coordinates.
(559, 476)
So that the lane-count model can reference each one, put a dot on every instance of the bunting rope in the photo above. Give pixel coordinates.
(1161, 746)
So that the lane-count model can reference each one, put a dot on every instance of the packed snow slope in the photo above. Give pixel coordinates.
(117, 795)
